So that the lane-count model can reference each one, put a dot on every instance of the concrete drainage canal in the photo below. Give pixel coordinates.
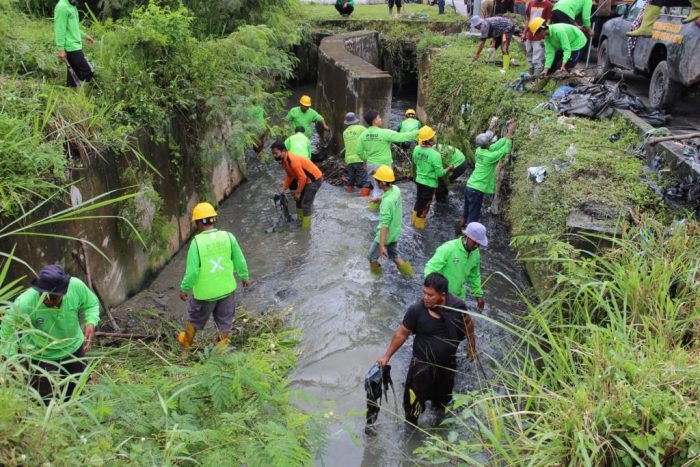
(346, 314)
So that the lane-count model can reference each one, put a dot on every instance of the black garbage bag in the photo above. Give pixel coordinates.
(377, 382)
(601, 100)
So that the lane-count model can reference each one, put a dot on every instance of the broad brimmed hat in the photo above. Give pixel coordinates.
(351, 119)
(52, 279)
(476, 232)
(476, 21)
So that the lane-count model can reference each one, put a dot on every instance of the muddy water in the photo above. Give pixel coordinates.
(346, 314)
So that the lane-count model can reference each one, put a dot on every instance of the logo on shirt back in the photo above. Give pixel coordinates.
(455, 260)
(39, 321)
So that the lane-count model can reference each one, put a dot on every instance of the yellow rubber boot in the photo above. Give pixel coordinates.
(419, 222)
(413, 218)
(375, 270)
(406, 269)
(306, 222)
(186, 337)
(373, 206)
(651, 14)
(300, 214)
(222, 345)
(506, 62)
(694, 11)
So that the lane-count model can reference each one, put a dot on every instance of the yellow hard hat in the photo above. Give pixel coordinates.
(409, 112)
(426, 133)
(305, 101)
(385, 174)
(535, 25)
(203, 211)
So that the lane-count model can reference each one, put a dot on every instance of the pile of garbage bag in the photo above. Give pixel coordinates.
(601, 100)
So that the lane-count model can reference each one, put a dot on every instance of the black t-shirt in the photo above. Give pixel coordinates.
(435, 342)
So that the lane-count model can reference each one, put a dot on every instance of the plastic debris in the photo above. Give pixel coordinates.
(561, 92)
(600, 101)
(534, 129)
(566, 121)
(537, 174)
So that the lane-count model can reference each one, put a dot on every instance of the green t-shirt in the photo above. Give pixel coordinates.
(306, 119)
(409, 124)
(459, 267)
(428, 166)
(299, 144)
(573, 8)
(374, 145)
(564, 37)
(194, 263)
(450, 155)
(51, 333)
(351, 135)
(66, 25)
(483, 178)
(390, 215)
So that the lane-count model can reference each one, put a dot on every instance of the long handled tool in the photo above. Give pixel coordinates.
(72, 73)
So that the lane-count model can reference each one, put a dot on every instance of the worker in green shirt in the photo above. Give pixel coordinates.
(559, 37)
(304, 115)
(374, 148)
(429, 170)
(69, 42)
(459, 260)
(483, 178)
(386, 239)
(357, 175)
(345, 7)
(566, 11)
(451, 156)
(298, 143)
(410, 122)
(44, 324)
(212, 259)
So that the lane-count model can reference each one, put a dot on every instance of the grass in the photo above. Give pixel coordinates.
(410, 12)
(152, 404)
(607, 368)
(608, 363)
(590, 162)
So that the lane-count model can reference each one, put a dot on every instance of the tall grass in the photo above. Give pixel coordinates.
(609, 364)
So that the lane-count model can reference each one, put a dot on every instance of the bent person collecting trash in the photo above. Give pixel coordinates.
(55, 342)
(438, 332)
(212, 260)
(305, 174)
(374, 148)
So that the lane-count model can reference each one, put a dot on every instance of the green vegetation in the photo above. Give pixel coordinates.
(157, 73)
(410, 12)
(150, 404)
(608, 368)
(589, 161)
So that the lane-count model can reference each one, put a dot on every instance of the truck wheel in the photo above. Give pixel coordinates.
(663, 91)
(604, 57)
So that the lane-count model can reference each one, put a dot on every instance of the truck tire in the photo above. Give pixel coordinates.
(663, 91)
(603, 64)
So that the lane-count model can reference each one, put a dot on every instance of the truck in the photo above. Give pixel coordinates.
(670, 58)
